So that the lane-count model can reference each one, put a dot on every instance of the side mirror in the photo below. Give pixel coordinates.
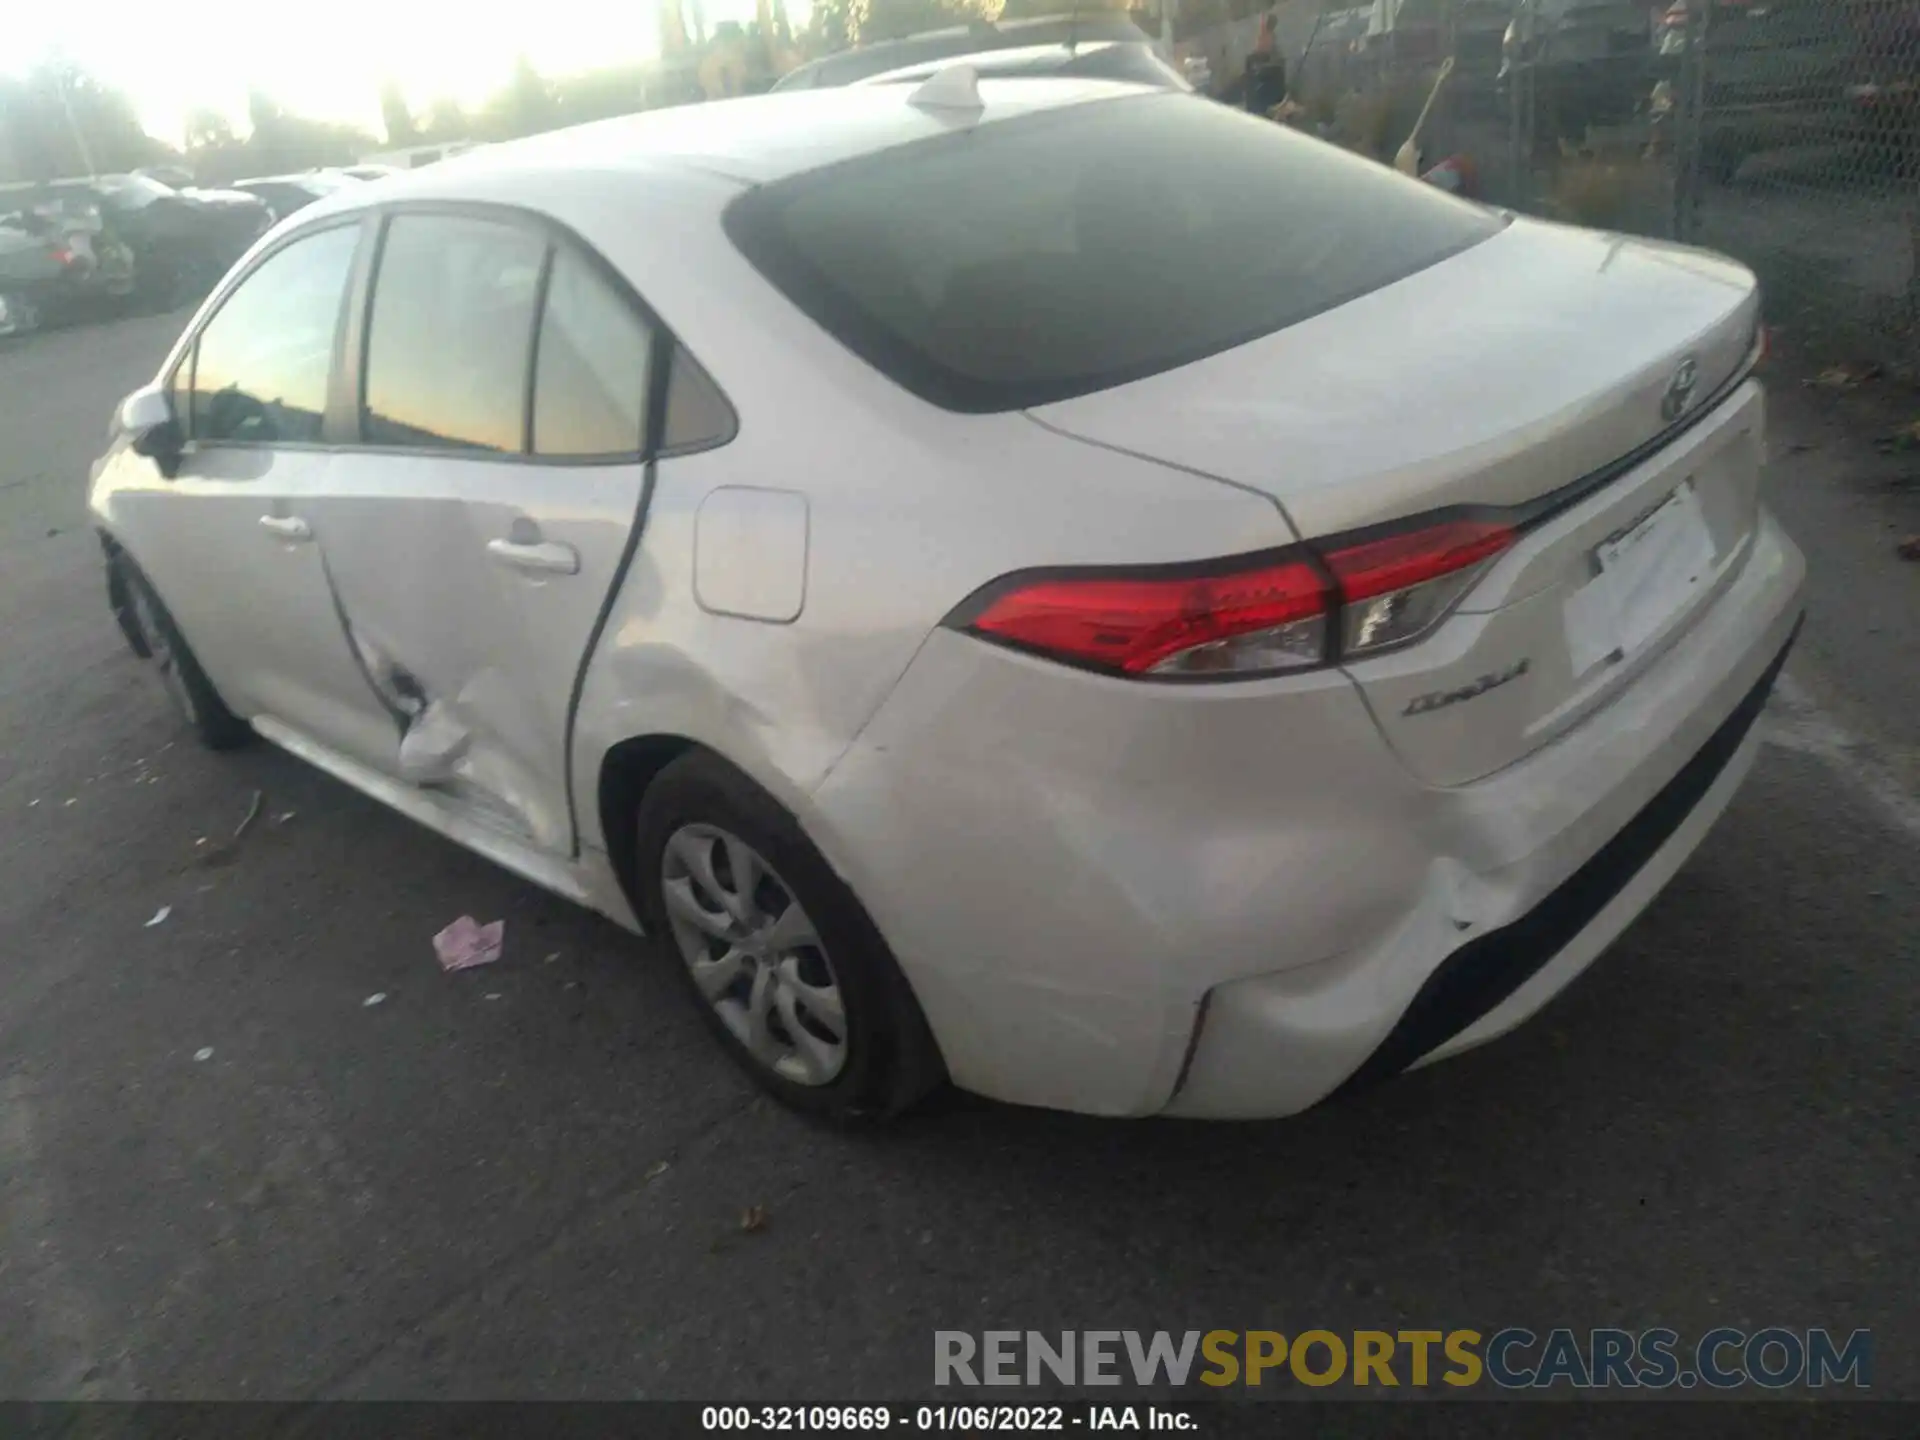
(147, 416)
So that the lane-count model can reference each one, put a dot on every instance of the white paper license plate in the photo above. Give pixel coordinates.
(1645, 574)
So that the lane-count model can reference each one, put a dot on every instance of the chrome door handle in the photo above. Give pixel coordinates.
(287, 527)
(542, 557)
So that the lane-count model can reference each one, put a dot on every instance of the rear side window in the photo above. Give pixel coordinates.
(698, 415)
(590, 375)
(261, 364)
(1025, 261)
(451, 334)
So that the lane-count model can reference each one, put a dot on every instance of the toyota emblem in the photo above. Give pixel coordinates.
(1680, 389)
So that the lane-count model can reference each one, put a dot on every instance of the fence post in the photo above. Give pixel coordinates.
(1520, 108)
(1690, 124)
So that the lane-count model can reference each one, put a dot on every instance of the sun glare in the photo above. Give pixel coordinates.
(329, 62)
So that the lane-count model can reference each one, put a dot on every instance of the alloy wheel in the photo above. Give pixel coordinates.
(754, 954)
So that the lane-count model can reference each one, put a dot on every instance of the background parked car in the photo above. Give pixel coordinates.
(1138, 62)
(182, 241)
(171, 176)
(56, 261)
(285, 194)
(1592, 61)
(870, 60)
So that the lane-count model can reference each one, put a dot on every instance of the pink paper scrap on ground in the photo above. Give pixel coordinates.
(467, 943)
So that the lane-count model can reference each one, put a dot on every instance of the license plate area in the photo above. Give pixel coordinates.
(1642, 575)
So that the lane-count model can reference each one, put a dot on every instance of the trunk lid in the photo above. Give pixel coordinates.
(1544, 372)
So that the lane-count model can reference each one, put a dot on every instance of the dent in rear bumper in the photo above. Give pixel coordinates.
(1067, 869)
(1481, 975)
(1276, 1044)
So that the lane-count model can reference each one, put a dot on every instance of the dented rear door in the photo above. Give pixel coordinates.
(475, 534)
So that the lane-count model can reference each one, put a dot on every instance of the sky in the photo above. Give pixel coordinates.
(328, 58)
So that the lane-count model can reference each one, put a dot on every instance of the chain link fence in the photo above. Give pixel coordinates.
(1803, 162)
(1783, 132)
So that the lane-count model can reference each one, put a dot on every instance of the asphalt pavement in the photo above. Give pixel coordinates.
(227, 1171)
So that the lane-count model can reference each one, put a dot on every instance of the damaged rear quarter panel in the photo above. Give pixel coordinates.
(909, 509)
(906, 515)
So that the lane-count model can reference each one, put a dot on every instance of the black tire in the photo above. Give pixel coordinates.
(892, 1061)
(120, 601)
(186, 684)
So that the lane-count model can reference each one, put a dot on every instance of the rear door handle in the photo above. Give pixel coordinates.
(541, 557)
(287, 527)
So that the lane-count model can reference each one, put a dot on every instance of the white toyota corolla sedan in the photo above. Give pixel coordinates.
(1044, 583)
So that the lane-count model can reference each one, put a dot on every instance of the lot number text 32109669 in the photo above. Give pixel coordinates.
(961, 1418)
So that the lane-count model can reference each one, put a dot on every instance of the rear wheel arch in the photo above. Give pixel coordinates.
(654, 787)
(626, 771)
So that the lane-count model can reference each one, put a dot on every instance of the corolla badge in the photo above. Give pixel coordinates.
(1441, 699)
(1680, 389)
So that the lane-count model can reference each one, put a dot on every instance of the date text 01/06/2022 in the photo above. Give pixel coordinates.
(949, 1418)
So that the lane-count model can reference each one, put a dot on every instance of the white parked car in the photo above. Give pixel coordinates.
(1047, 584)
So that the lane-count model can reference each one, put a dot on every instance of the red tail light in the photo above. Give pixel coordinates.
(1397, 587)
(1168, 624)
(1256, 615)
(1413, 557)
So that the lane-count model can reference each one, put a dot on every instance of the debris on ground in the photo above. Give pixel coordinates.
(225, 852)
(658, 1168)
(159, 916)
(1845, 377)
(1801, 447)
(283, 817)
(467, 943)
(378, 997)
(1909, 548)
(491, 995)
(549, 960)
(754, 1219)
(1907, 437)
(204, 1053)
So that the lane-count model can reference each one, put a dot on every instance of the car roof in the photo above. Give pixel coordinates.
(752, 141)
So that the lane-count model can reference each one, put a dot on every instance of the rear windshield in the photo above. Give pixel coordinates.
(1025, 261)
